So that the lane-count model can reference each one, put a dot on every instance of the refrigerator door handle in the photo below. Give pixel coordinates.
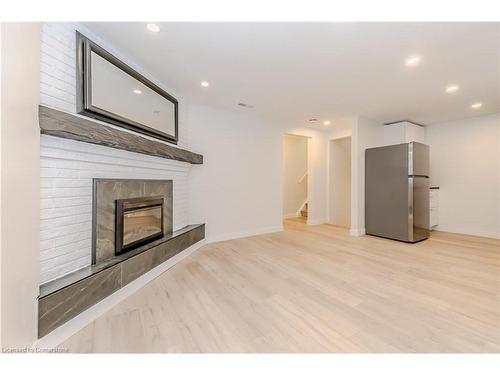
(410, 159)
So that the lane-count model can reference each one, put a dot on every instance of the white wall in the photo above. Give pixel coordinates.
(20, 72)
(294, 168)
(67, 167)
(365, 134)
(238, 189)
(340, 182)
(464, 158)
(342, 128)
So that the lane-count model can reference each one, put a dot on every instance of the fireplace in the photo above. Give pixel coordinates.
(132, 233)
(128, 215)
(138, 221)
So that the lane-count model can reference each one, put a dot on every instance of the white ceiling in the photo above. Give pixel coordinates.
(294, 71)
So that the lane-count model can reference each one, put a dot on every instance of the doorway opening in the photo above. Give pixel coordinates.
(295, 178)
(340, 182)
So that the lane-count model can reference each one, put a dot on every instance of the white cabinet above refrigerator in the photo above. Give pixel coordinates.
(403, 132)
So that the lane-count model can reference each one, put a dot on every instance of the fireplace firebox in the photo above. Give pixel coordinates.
(138, 221)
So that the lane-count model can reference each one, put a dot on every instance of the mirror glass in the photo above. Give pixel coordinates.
(126, 98)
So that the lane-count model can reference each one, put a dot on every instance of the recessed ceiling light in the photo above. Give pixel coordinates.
(452, 88)
(153, 27)
(326, 123)
(313, 120)
(137, 91)
(476, 105)
(204, 84)
(413, 61)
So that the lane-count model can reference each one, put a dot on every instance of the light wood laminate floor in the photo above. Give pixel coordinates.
(313, 289)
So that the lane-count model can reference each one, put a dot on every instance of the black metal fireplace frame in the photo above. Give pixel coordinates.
(129, 204)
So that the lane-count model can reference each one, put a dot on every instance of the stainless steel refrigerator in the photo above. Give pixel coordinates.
(397, 191)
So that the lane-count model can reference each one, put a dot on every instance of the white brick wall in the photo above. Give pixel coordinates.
(58, 66)
(67, 167)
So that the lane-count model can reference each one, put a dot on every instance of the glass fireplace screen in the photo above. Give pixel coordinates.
(138, 221)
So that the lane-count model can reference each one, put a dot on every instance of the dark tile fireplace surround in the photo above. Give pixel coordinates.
(132, 234)
(128, 214)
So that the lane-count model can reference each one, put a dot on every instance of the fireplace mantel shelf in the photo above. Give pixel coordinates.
(66, 125)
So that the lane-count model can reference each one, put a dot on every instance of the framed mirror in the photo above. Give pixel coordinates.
(111, 91)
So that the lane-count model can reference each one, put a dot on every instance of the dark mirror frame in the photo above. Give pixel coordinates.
(84, 47)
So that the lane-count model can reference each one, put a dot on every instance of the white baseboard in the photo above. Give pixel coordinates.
(467, 231)
(65, 331)
(248, 233)
(316, 221)
(357, 232)
(290, 216)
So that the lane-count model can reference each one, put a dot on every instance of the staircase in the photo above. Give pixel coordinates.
(303, 211)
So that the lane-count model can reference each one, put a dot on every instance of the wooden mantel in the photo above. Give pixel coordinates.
(65, 125)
